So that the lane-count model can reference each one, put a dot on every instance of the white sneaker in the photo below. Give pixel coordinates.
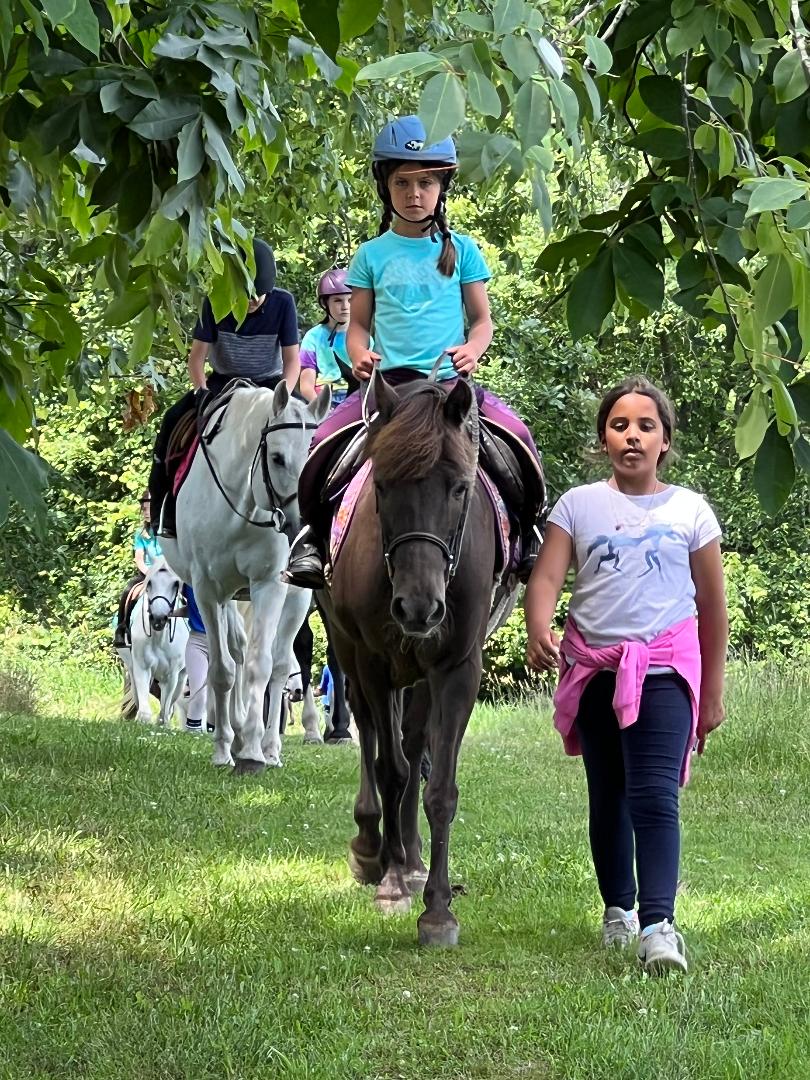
(661, 949)
(619, 928)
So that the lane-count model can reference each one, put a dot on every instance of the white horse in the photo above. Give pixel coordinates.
(236, 514)
(158, 643)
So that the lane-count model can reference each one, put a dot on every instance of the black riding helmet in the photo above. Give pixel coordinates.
(265, 279)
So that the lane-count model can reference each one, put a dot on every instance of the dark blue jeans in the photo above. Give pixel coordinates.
(633, 777)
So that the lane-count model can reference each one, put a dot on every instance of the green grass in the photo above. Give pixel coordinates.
(159, 919)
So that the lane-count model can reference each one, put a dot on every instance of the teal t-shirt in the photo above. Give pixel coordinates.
(149, 544)
(418, 312)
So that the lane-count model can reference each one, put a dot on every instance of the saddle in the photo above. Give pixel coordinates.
(185, 436)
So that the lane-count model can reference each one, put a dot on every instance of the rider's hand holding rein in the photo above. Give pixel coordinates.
(358, 335)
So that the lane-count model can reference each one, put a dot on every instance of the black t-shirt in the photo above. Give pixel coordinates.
(252, 350)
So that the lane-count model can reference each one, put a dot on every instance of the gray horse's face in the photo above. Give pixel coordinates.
(162, 589)
(290, 429)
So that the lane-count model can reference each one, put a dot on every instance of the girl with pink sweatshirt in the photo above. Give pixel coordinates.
(642, 659)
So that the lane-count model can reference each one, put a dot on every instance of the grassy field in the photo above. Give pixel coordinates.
(161, 920)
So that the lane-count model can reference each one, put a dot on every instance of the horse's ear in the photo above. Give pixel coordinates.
(281, 395)
(385, 397)
(459, 402)
(321, 403)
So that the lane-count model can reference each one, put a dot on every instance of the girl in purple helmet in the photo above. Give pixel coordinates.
(419, 283)
(324, 359)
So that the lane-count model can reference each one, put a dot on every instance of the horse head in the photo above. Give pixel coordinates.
(161, 589)
(282, 451)
(424, 474)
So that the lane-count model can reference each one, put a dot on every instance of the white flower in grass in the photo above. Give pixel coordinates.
(406, 994)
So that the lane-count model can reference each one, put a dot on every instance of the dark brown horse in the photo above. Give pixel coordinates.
(409, 604)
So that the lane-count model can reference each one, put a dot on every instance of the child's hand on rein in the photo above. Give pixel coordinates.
(363, 368)
(464, 357)
(542, 651)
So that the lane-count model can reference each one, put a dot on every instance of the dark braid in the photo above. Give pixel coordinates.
(447, 258)
(387, 218)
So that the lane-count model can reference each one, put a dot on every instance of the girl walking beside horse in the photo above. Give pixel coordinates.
(641, 678)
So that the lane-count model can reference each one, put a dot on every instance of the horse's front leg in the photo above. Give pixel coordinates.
(142, 680)
(221, 672)
(414, 727)
(267, 600)
(365, 850)
(453, 695)
(286, 626)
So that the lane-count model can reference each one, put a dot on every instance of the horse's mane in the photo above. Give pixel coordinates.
(417, 438)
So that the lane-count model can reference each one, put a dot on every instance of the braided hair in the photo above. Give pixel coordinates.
(437, 222)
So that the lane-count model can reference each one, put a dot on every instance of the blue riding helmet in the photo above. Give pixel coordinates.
(404, 140)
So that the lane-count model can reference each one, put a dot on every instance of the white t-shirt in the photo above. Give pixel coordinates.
(631, 556)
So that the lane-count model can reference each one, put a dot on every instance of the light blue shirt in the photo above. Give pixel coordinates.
(148, 543)
(418, 312)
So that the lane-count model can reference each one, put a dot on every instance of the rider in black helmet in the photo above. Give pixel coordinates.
(263, 348)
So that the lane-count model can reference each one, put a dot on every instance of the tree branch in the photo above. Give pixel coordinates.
(799, 32)
(585, 11)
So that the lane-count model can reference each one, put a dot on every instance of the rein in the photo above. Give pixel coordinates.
(278, 519)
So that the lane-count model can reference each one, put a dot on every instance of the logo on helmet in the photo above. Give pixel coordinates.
(414, 144)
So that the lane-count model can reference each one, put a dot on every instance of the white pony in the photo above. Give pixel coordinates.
(236, 514)
(158, 643)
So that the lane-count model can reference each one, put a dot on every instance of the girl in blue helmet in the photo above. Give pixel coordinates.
(418, 281)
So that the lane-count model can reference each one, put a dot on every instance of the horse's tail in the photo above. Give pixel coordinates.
(129, 703)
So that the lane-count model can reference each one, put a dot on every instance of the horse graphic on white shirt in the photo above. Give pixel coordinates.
(654, 535)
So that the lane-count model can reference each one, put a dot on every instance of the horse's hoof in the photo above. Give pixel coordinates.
(438, 935)
(396, 905)
(273, 762)
(246, 767)
(222, 765)
(415, 881)
(313, 740)
(348, 741)
(364, 870)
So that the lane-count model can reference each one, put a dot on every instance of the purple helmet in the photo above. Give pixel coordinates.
(333, 283)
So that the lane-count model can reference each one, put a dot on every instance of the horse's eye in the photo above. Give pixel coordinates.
(277, 459)
(459, 491)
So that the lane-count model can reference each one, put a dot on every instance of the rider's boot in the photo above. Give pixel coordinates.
(305, 567)
(163, 501)
(531, 542)
(120, 636)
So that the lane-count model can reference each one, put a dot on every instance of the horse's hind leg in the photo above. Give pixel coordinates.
(453, 696)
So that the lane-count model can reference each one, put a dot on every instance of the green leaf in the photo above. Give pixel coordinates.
(773, 291)
(550, 57)
(786, 418)
(413, 63)
(164, 118)
(541, 201)
(599, 54)
(567, 105)
(482, 94)
(798, 215)
(77, 18)
(647, 19)
(578, 248)
(23, 477)
(142, 336)
(753, 423)
(477, 21)
(591, 296)
(190, 150)
(520, 56)
(532, 114)
(639, 277)
(801, 453)
(774, 471)
(320, 17)
(773, 193)
(669, 144)
(800, 392)
(441, 106)
(497, 150)
(216, 148)
(789, 77)
(177, 47)
(726, 152)
(663, 96)
(357, 16)
(124, 308)
(508, 16)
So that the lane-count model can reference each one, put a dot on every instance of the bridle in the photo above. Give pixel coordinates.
(278, 519)
(451, 547)
(146, 609)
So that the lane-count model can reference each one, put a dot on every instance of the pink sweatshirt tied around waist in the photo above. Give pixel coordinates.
(677, 647)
